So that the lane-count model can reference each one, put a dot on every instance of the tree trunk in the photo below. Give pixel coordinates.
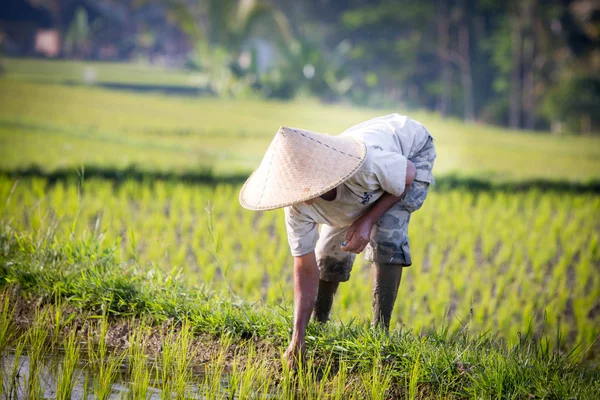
(464, 60)
(444, 57)
(515, 88)
(586, 124)
(528, 65)
(528, 84)
(466, 76)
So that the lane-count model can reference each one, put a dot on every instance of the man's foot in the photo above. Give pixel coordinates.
(325, 295)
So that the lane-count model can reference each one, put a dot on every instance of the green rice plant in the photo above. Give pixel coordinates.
(249, 376)
(183, 358)
(377, 380)
(36, 346)
(321, 374)
(173, 367)
(340, 385)
(7, 331)
(59, 322)
(287, 384)
(12, 387)
(67, 373)
(214, 371)
(413, 382)
(86, 384)
(104, 363)
(139, 368)
(475, 254)
(7, 334)
(308, 380)
(165, 366)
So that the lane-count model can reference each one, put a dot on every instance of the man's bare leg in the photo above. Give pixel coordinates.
(306, 278)
(386, 280)
(324, 301)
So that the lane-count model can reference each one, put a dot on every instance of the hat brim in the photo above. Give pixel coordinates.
(301, 165)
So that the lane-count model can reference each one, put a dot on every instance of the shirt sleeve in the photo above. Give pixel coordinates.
(302, 231)
(390, 170)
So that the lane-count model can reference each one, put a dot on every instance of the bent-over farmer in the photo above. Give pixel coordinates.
(361, 187)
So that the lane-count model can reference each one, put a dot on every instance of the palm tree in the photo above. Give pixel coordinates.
(220, 28)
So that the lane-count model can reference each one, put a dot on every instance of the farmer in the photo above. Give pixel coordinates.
(361, 187)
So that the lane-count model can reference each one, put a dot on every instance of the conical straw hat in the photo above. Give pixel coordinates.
(300, 165)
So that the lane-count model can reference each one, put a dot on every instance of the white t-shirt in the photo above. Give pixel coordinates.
(390, 141)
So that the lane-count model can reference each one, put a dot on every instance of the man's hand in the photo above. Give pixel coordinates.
(358, 234)
(294, 355)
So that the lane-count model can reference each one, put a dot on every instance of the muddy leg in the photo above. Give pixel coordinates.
(386, 279)
(324, 300)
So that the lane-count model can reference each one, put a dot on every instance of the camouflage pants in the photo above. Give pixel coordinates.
(389, 237)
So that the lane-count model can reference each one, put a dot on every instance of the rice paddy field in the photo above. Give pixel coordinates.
(55, 127)
(128, 269)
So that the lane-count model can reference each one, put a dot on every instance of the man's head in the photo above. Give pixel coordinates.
(329, 196)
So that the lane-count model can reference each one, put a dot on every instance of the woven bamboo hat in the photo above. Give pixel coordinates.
(300, 165)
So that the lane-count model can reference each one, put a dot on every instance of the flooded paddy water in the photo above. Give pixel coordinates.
(18, 382)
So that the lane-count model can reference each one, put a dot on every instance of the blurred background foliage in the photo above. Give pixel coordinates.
(529, 64)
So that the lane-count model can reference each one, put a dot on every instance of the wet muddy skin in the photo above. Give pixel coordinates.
(386, 280)
(325, 295)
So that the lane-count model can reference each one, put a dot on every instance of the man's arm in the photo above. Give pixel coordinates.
(359, 232)
(306, 282)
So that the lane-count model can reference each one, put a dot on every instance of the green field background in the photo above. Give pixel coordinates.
(56, 127)
(492, 260)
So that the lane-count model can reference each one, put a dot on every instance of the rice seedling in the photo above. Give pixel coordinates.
(7, 331)
(183, 356)
(59, 322)
(6, 336)
(165, 366)
(214, 372)
(250, 376)
(67, 373)
(340, 387)
(139, 368)
(106, 364)
(12, 387)
(413, 381)
(377, 380)
(173, 370)
(36, 345)
(311, 378)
